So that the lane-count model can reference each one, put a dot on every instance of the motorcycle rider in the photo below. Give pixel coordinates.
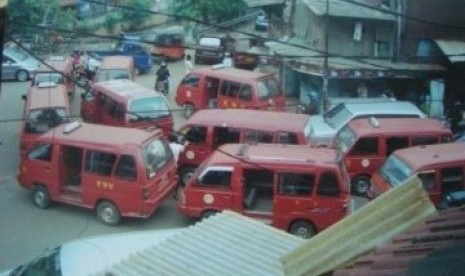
(162, 77)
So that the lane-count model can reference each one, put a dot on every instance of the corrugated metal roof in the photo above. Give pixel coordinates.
(436, 247)
(260, 3)
(375, 223)
(224, 244)
(453, 49)
(339, 8)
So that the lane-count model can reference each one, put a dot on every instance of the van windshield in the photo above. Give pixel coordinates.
(112, 74)
(149, 108)
(155, 155)
(17, 54)
(267, 89)
(42, 120)
(345, 139)
(48, 77)
(337, 116)
(394, 171)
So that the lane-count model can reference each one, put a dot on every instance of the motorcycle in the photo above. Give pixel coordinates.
(162, 87)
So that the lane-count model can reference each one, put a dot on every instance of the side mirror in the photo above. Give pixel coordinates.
(453, 199)
(24, 97)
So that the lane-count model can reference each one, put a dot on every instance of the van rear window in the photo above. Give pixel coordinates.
(42, 120)
(267, 89)
(149, 108)
(155, 156)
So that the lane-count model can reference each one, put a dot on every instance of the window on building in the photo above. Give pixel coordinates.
(382, 49)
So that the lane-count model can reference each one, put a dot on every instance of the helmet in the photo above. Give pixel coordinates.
(163, 65)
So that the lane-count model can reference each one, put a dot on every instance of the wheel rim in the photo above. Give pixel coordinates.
(39, 198)
(361, 186)
(189, 110)
(107, 214)
(22, 76)
(303, 232)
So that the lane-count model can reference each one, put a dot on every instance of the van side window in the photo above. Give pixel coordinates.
(191, 80)
(394, 143)
(42, 152)
(253, 136)
(216, 178)
(100, 162)
(196, 134)
(328, 185)
(225, 135)
(246, 93)
(230, 89)
(296, 184)
(424, 140)
(114, 109)
(365, 146)
(126, 168)
(451, 180)
(287, 138)
(427, 179)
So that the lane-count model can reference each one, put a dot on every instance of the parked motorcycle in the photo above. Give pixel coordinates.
(162, 87)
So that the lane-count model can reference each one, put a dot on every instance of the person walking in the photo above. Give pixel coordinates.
(188, 64)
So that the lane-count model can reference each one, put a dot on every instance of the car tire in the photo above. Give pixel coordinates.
(22, 75)
(302, 229)
(207, 214)
(185, 174)
(189, 109)
(108, 213)
(360, 185)
(41, 197)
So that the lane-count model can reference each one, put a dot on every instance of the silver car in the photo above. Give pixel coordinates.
(18, 65)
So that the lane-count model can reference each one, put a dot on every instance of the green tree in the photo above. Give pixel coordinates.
(133, 17)
(209, 11)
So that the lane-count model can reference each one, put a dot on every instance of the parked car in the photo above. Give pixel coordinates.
(90, 256)
(18, 65)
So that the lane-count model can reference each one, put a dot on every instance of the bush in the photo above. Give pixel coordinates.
(111, 20)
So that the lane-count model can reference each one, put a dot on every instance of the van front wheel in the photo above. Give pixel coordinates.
(41, 197)
(108, 213)
(360, 185)
(188, 110)
(302, 229)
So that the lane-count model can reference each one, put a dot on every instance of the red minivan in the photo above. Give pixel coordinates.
(208, 129)
(58, 70)
(219, 87)
(116, 171)
(127, 104)
(45, 107)
(365, 143)
(295, 188)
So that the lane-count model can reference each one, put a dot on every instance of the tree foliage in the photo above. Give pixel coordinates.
(209, 11)
(133, 17)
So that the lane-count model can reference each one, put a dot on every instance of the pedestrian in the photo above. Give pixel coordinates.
(188, 64)
(227, 61)
(162, 78)
(176, 146)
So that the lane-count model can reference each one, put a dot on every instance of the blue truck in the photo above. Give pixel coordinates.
(128, 46)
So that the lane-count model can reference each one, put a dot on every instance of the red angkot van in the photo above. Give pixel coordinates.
(229, 88)
(208, 129)
(45, 107)
(127, 104)
(441, 169)
(365, 143)
(295, 188)
(113, 170)
(58, 70)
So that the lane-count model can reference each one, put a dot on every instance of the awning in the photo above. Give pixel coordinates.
(260, 3)
(453, 49)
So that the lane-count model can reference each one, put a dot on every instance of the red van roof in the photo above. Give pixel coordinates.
(58, 64)
(250, 119)
(125, 89)
(101, 135)
(420, 156)
(262, 154)
(44, 97)
(232, 73)
(116, 62)
(362, 126)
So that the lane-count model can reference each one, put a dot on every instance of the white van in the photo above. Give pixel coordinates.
(323, 128)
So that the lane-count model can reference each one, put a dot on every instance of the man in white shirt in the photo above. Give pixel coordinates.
(175, 146)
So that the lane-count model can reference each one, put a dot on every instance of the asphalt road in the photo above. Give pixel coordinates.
(25, 231)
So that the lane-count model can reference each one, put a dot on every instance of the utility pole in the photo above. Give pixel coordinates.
(324, 90)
